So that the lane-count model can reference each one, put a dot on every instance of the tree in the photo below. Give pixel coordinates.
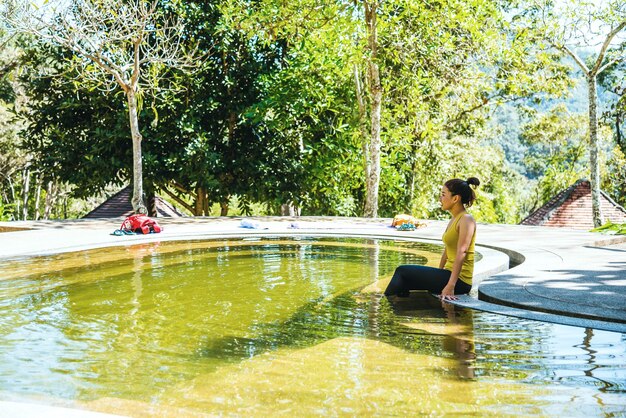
(76, 133)
(372, 156)
(555, 141)
(117, 44)
(569, 26)
(445, 70)
(613, 80)
(309, 102)
(206, 143)
(12, 159)
(614, 178)
(426, 76)
(274, 117)
(225, 149)
(301, 21)
(14, 162)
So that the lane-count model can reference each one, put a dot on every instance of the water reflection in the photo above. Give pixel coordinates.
(492, 346)
(461, 344)
(138, 267)
(452, 327)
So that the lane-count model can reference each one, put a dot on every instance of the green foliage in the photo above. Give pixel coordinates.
(556, 155)
(77, 134)
(309, 105)
(7, 212)
(565, 26)
(503, 196)
(614, 177)
(611, 229)
(614, 81)
(219, 140)
(12, 158)
(270, 115)
(441, 83)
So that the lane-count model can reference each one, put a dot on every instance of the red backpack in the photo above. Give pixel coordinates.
(140, 224)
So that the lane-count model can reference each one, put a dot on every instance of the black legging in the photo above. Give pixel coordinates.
(412, 277)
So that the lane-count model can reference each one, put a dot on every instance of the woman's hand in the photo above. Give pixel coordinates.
(448, 293)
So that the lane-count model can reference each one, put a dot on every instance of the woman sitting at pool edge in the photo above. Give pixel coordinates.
(454, 275)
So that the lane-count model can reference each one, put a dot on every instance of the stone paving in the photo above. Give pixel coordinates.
(558, 275)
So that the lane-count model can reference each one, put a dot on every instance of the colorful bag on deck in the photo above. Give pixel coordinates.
(141, 224)
(403, 222)
(402, 219)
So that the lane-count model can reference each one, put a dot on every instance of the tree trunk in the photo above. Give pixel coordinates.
(207, 209)
(594, 166)
(137, 199)
(177, 199)
(16, 214)
(201, 202)
(47, 210)
(224, 208)
(618, 132)
(232, 125)
(197, 207)
(151, 204)
(412, 177)
(25, 191)
(38, 197)
(362, 122)
(64, 206)
(288, 209)
(373, 177)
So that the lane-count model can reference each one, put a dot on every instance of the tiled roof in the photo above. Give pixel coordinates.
(119, 205)
(571, 208)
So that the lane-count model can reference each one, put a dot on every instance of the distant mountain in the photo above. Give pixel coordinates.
(508, 121)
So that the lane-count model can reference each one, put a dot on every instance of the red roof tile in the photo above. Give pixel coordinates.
(571, 208)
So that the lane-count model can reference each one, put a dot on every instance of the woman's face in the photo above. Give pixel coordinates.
(446, 198)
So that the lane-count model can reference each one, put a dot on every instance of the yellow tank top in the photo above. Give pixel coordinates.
(450, 239)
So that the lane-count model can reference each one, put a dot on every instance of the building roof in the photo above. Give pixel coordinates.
(571, 208)
(119, 205)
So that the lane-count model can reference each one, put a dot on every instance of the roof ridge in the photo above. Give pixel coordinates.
(576, 197)
(613, 202)
(562, 199)
(553, 204)
(119, 204)
(114, 195)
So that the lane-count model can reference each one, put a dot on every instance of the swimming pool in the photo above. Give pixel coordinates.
(261, 326)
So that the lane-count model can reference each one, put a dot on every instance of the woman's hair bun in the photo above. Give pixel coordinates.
(473, 181)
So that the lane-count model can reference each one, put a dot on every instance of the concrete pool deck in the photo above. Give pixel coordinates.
(558, 275)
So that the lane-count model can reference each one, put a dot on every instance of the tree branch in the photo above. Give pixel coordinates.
(607, 65)
(575, 56)
(177, 199)
(596, 68)
(114, 36)
(182, 189)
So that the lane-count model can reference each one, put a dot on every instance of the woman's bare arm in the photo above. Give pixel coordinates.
(444, 259)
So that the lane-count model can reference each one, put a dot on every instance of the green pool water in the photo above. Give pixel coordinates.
(266, 327)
